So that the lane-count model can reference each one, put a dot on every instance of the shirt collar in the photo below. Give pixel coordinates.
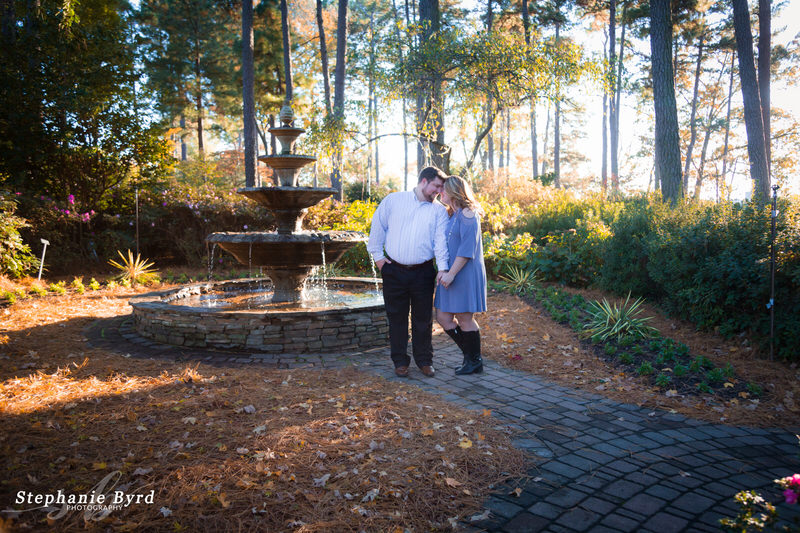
(417, 194)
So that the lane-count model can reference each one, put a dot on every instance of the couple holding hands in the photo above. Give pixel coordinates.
(409, 229)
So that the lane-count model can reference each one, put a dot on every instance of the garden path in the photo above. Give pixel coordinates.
(600, 466)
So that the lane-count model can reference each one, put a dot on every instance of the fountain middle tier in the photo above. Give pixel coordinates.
(287, 204)
(287, 259)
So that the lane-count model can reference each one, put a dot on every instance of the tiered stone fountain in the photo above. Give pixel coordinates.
(282, 319)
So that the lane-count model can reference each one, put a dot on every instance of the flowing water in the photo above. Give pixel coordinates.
(314, 297)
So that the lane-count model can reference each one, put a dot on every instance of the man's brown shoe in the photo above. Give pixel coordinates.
(401, 371)
(428, 371)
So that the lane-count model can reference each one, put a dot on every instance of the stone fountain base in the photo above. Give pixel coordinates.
(357, 327)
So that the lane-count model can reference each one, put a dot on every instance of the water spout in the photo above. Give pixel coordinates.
(374, 273)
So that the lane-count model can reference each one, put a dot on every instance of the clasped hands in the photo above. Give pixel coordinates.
(445, 278)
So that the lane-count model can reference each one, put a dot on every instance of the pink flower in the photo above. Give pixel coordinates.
(791, 496)
(66, 211)
(71, 199)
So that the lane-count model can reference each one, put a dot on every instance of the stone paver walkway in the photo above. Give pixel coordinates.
(601, 465)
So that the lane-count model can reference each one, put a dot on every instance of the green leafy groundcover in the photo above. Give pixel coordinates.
(668, 364)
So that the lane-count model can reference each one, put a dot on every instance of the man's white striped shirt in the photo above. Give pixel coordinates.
(409, 230)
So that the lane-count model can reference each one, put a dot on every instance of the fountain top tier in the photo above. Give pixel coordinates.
(288, 255)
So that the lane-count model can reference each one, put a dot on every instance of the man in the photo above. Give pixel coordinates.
(407, 232)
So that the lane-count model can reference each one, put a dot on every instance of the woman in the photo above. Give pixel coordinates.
(462, 290)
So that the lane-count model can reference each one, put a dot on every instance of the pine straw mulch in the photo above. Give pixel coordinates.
(520, 334)
(228, 449)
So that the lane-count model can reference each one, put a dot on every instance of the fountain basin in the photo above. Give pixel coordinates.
(288, 204)
(286, 166)
(287, 259)
(267, 249)
(354, 327)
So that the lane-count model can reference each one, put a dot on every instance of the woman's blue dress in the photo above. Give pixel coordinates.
(467, 292)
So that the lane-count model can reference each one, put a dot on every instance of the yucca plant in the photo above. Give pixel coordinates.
(517, 279)
(134, 270)
(609, 321)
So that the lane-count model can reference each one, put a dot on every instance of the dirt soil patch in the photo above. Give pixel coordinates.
(222, 449)
(520, 334)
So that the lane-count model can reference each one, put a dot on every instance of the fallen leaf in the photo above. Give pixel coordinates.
(516, 492)
(465, 443)
(452, 482)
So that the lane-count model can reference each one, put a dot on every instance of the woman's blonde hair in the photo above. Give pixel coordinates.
(460, 191)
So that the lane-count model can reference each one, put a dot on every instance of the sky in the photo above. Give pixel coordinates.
(787, 98)
(786, 24)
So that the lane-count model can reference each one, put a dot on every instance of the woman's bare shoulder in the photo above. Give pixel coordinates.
(467, 212)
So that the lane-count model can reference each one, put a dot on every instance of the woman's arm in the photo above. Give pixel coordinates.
(449, 276)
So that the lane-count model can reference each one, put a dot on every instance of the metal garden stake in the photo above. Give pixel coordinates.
(41, 265)
(771, 304)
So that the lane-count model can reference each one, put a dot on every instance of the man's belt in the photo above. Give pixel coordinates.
(410, 267)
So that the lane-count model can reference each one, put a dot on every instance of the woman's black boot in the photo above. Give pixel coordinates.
(472, 349)
(458, 337)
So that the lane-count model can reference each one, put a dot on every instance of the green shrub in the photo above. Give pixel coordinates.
(728, 370)
(680, 370)
(16, 258)
(703, 387)
(618, 321)
(610, 349)
(624, 257)
(626, 358)
(645, 369)
(663, 380)
(77, 285)
(714, 376)
(94, 285)
(58, 288)
(755, 389)
(9, 297)
(37, 290)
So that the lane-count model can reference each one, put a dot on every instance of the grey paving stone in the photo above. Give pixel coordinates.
(660, 491)
(545, 509)
(526, 523)
(623, 489)
(561, 469)
(596, 505)
(644, 504)
(502, 508)
(620, 522)
(566, 497)
(578, 519)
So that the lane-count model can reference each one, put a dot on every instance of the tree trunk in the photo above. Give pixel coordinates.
(489, 97)
(323, 53)
(508, 140)
(618, 96)
(709, 126)
(405, 123)
(667, 142)
(728, 119)
(431, 94)
(338, 91)
(544, 144)
(612, 101)
(287, 51)
(526, 23)
(248, 96)
(764, 56)
(479, 139)
(756, 146)
(557, 132)
(701, 167)
(501, 162)
(184, 148)
(604, 165)
(693, 114)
